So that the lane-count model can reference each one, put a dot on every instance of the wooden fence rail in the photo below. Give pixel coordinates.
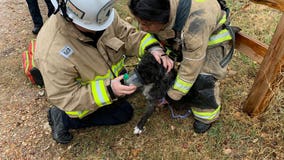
(277, 4)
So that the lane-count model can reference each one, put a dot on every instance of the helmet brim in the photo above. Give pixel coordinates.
(95, 26)
(91, 26)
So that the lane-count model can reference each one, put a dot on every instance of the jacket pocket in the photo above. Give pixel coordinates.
(115, 49)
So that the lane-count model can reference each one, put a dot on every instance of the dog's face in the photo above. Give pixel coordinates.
(154, 75)
(150, 70)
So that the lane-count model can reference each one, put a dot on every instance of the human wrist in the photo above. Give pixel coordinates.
(155, 48)
(110, 91)
(112, 95)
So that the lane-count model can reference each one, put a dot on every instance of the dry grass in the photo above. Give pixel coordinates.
(25, 133)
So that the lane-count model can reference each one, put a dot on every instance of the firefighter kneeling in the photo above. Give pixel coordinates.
(80, 54)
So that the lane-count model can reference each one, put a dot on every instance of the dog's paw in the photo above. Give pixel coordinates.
(137, 130)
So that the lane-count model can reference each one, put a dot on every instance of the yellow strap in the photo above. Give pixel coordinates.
(27, 61)
(168, 51)
(118, 67)
(200, 0)
(33, 51)
(223, 20)
(115, 68)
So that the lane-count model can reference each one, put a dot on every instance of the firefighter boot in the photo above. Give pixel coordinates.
(56, 121)
(36, 29)
(200, 127)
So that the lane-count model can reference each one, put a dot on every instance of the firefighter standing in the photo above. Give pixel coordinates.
(195, 33)
(36, 15)
(80, 54)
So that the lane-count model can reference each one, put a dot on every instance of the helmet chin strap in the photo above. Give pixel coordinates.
(62, 7)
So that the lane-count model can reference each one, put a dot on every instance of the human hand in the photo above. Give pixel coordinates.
(161, 56)
(121, 90)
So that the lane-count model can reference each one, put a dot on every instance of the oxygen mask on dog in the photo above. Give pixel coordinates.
(133, 78)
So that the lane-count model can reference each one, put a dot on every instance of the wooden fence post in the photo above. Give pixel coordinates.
(270, 74)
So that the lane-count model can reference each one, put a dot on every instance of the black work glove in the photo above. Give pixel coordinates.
(176, 104)
(170, 100)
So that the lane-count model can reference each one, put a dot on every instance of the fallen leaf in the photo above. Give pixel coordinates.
(227, 151)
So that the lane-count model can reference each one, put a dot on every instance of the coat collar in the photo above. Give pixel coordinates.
(168, 32)
(69, 29)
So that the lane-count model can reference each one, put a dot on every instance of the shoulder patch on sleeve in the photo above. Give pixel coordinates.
(66, 51)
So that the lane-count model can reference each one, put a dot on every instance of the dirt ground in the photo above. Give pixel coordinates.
(24, 130)
(25, 133)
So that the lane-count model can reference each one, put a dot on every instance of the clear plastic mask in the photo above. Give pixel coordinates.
(133, 78)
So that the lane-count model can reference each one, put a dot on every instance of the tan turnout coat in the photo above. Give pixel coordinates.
(65, 59)
(202, 22)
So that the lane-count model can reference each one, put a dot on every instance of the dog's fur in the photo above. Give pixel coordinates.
(156, 82)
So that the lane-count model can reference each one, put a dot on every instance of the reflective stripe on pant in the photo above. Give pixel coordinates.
(204, 97)
(116, 113)
(206, 115)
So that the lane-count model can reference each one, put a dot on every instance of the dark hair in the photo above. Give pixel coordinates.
(151, 10)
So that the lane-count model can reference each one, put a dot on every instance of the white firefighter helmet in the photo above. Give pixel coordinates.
(95, 15)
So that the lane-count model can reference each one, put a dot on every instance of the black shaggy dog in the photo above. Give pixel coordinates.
(155, 82)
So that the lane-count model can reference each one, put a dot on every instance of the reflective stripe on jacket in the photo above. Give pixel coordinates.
(221, 36)
(100, 93)
(182, 85)
(99, 90)
(148, 40)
